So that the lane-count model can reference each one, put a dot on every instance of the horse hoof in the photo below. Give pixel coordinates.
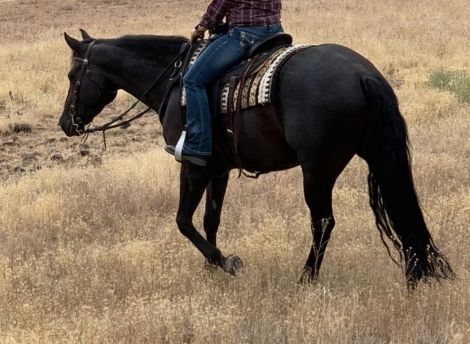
(233, 265)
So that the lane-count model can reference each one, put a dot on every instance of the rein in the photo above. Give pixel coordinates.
(110, 125)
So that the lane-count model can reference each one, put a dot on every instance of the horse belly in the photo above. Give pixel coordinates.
(262, 144)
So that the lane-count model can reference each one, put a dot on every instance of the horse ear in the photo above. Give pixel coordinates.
(85, 35)
(73, 43)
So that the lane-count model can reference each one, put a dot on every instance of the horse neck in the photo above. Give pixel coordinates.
(135, 62)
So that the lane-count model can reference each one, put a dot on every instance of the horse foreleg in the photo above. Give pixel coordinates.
(193, 182)
(215, 193)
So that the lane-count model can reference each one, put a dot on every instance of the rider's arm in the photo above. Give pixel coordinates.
(215, 13)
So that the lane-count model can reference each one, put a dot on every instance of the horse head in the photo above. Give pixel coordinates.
(90, 90)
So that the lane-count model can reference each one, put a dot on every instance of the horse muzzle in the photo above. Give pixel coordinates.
(69, 127)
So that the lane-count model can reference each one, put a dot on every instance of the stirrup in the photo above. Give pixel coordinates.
(179, 145)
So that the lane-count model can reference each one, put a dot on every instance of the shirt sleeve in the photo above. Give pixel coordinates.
(215, 13)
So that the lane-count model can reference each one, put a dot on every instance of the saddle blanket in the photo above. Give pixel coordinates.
(258, 86)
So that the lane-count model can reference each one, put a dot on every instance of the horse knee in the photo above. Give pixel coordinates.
(184, 225)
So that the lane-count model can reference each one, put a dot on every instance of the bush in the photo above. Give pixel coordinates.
(456, 82)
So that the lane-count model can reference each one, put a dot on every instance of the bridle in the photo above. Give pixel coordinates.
(84, 69)
(72, 109)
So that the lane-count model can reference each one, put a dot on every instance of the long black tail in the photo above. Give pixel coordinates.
(392, 194)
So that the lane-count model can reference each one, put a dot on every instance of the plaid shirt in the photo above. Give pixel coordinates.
(242, 13)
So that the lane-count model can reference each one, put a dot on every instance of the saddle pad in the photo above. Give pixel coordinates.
(257, 89)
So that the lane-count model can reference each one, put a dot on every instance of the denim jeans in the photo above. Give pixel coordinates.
(219, 57)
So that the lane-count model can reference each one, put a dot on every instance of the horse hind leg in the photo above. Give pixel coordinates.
(318, 196)
(321, 231)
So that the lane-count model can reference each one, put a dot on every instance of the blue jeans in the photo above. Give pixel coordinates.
(219, 57)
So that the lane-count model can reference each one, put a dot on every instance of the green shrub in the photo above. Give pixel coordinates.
(456, 82)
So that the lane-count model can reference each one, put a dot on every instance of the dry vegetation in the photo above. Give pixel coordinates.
(90, 253)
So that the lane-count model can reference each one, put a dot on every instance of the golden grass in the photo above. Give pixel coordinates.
(90, 252)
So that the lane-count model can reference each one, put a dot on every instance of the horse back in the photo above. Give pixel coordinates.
(319, 108)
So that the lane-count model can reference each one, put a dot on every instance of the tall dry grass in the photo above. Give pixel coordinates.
(91, 254)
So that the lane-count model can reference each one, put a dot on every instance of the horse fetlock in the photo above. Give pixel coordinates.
(308, 276)
(210, 267)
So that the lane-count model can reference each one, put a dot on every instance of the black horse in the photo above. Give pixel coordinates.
(330, 103)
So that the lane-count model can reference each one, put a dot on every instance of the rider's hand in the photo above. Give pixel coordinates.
(197, 32)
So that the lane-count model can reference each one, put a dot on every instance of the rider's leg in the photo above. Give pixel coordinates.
(221, 55)
(215, 60)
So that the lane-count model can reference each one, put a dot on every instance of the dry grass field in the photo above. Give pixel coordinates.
(89, 248)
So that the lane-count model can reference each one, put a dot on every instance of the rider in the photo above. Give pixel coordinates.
(248, 21)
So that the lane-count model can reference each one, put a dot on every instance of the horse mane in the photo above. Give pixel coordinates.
(143, 44)
(137, 41)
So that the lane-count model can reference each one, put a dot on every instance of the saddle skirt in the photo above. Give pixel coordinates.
(258, 86)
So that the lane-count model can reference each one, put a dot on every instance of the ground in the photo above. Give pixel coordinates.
(29, 145)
